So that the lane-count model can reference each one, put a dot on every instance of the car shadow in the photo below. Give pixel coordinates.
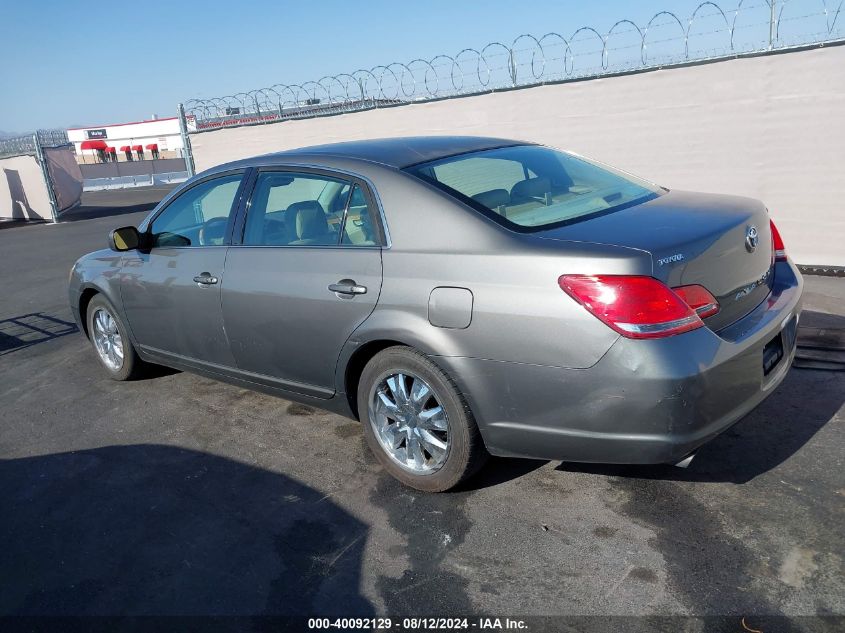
(760, 442)
(113, 202)
(26, 330)
(499, 470)
(153, 371)
(161, 530)
(94, 213)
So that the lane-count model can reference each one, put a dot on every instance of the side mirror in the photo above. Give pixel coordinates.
(125, 238)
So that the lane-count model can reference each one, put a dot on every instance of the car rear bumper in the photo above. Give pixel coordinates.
(644, 402)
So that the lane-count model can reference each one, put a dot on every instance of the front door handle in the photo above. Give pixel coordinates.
(348, 287)
(205, 279)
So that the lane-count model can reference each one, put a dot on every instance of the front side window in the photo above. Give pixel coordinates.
(530, 187)
(198, 217)
(294, 209)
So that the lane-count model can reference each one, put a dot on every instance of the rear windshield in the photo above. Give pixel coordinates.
(529, 187)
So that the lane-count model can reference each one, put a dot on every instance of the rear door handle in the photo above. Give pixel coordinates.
(205, 279)
(348, 287)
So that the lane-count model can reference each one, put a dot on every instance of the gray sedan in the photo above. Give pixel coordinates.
(461, 297)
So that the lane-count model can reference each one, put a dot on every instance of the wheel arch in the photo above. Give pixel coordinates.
(85, 297)
(387, 328)
(356, 363)
(87, 292)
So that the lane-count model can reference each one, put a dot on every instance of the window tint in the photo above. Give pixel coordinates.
(532, 186)
(199, 216)
(291, 209)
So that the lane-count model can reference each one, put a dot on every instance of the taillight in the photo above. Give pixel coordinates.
(699, 299)
(635, 306)
(777, 244)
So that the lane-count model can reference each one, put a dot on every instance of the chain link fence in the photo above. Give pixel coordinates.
(711, 31)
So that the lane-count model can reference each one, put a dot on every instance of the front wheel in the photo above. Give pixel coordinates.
(417, 422)
(111, 342)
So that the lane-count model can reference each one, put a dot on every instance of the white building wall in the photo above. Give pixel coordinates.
(164, 132)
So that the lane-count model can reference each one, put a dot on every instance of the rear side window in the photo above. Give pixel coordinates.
(359, 228)
(530, 187)
(302, 209)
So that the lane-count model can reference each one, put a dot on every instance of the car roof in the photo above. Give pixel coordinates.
(397, 152)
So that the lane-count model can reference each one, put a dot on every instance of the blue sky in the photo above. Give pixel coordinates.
(79, 63)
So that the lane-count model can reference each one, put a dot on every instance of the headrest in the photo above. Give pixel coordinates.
(309, 218)
(493, 198)
(532, 188)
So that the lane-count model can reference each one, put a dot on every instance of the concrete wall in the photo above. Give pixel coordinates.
(23, 193)
(769, 127)
(133, 168)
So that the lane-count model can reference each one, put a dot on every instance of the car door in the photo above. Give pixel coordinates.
(306, 273)
(171, 290)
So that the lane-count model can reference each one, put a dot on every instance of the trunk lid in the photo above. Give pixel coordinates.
(694, 238)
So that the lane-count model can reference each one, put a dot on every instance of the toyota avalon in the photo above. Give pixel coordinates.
(461, 297)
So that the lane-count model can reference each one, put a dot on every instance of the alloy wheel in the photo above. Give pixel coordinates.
(410, 423)
(107, 339)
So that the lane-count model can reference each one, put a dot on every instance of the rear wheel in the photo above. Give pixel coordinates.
(110, 340)
(417, 422)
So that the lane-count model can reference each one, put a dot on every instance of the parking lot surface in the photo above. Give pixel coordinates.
(181, 495)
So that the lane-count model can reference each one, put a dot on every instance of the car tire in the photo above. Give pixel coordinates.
(110, 339)
(407, 437)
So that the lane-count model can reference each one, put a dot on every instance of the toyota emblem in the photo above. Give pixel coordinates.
(751, 238)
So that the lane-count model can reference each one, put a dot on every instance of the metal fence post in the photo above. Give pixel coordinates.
(258, 110)
(45, 173)
(186, 142)
(772, 24)
(512, 67)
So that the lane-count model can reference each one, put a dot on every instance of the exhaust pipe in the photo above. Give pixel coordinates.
(686, 461)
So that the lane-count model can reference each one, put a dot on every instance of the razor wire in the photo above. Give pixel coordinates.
(709, 32)
(27, 144)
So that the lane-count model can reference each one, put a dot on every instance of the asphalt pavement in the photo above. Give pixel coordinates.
(177, 494)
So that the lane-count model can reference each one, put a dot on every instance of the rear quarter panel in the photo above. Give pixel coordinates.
(519, 312)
